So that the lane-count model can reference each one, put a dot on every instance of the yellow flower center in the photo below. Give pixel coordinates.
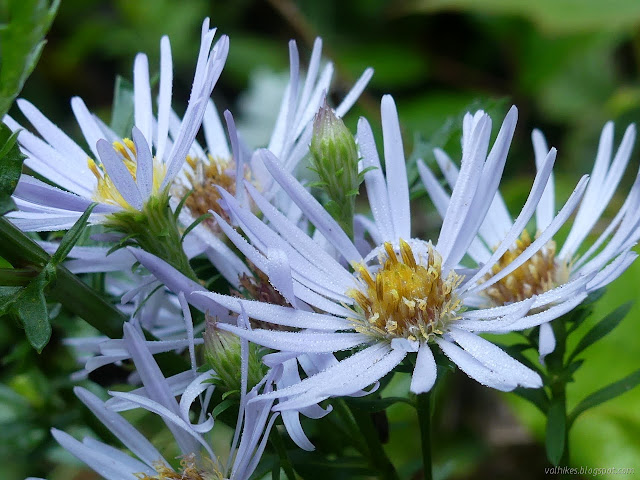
(537, 275)
(406, 297)
(203, 180)
(106, 191)
(188, 471)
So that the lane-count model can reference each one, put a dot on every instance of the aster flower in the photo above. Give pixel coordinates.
(534, 266)
(228, 163)
(118, 174)
(406, 295)
(199, 461)
(127, 178)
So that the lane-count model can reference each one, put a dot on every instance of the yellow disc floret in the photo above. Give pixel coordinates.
(106, 191)
(406, 297)
(542, 272)
(188, 471)
(203, 181)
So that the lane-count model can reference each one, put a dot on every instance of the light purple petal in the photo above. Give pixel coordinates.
(119, 174)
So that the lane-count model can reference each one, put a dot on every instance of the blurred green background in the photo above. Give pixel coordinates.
(569, 66)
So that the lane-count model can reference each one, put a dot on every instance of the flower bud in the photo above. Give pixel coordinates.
(334, 158)
(223, 354)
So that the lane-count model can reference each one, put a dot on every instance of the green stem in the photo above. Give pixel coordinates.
(559, 394)
(21, 251)
(348, 422)
(17, 277)
(378, 457)
(285, 462)
(423, 406)
(155, 229)
(556, 369)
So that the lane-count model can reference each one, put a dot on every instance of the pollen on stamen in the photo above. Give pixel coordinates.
(188, 471)
(406, 297)
(203, 181)
(542, 272)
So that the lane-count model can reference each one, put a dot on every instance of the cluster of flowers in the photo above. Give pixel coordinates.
(307, 277)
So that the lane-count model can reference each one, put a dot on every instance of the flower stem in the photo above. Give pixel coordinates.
(23, 253)
(156, 230)
(377, 455)
(277, 442)
(557, 378)
(423, 406)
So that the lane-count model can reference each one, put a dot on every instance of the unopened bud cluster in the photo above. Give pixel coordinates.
(223, 354)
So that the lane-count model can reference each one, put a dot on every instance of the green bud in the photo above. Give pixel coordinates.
(222, 352)
(334, 158)
(155, 229)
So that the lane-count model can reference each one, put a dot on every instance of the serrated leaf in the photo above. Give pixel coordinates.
(71, 237)
(11, 159)
(22, 42)
(605, 394)
(556, 431)
(601, 329)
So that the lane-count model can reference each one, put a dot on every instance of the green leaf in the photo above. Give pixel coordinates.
(222, 406)
(604, 394)
(194, 224)
(71, 237)
(372, 405)
(22, 42)
(122, 114)
(68, 289)
(8, 296)
(556, 432)
(601, 329)
(11, 159)
(32, 310)
(535, 396)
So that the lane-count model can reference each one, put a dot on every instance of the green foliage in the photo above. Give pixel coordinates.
(605, 394)
(155, 229)
(11, 159)
(601, 329)
(122, 112)
(21, 43)
(556, 432)
(29, 303)
(560, 16)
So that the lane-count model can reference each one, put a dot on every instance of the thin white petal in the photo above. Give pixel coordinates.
(424, 373)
